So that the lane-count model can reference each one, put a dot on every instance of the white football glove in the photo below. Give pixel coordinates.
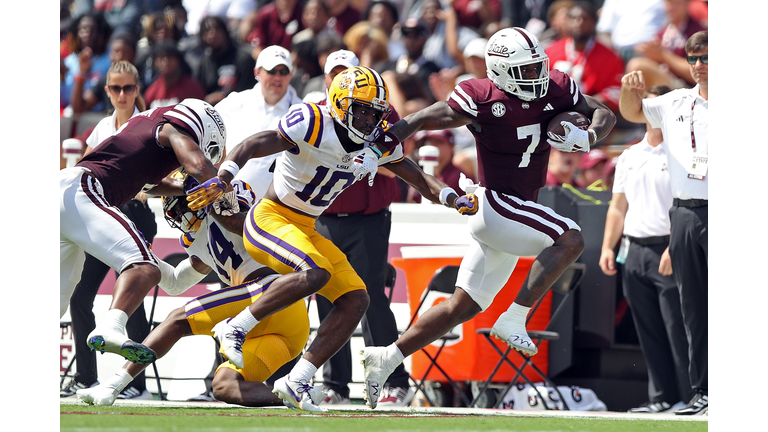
(575, 139)
(226, 204)
(365, 163)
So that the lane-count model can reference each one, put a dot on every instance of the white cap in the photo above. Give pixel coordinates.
(344, 58)
(272, 56)
(475, 48)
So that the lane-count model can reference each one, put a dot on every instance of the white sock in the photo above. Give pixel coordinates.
(518, 312)
(394, 352)
(120, 380)
(244, 320)
(115, 319)
(303, 371)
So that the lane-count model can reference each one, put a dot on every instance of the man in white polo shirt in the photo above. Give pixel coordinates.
(683, 118)
(260, 108)
(639, 209)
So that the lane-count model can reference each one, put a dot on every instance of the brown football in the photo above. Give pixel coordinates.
(578, 119)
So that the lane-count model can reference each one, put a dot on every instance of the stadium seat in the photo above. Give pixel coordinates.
(568, 282)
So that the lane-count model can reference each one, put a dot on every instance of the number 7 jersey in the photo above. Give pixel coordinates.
(317, 169)
(510, 133)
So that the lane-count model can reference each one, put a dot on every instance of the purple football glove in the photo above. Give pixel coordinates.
(467, 204)
(206, 193)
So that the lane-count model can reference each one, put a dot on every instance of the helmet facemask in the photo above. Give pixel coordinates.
(175, 209)
(510, 78)
(365, 132)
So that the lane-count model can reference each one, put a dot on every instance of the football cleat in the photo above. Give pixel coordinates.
(73, 386)
(335, 398)
(119, 343)
(102, 394)
(231, 340)
(132, 392)
(514, 334)
(299, 394)
(396, 396)
(376, 369)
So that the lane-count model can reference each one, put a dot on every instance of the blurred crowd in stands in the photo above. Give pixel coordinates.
(207, 48)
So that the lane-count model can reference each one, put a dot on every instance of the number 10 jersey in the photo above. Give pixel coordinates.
(317, 169)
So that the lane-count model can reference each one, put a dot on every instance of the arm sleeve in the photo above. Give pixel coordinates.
(175, 281)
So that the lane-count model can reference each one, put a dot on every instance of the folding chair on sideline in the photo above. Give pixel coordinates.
(565, 285)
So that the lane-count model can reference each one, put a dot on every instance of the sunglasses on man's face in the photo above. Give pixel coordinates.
(692, 59)
(283, 72)
(128, 89)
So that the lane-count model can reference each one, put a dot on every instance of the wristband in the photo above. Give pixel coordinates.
(79, 78)
(444, 195)
(592, 133)
(230, 167)
(376, 151)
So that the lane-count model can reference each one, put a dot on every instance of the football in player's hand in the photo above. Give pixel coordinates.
(576, 118)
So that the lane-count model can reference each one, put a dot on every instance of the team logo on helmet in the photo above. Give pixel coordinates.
(217, 118)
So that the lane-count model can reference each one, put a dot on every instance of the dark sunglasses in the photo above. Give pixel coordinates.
(692, 59)
(283, 72)
(128, 89)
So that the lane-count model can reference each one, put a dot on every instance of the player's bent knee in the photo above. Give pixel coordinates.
(318, 277)
(357, 301)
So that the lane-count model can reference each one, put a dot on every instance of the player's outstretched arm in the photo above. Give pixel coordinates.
(257, 145)
(177, 280)
(436, 116)
(188, 153)
(428, 186)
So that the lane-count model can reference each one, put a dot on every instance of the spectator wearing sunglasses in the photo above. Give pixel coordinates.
(662, 60)
(173, 84)
(124, 92)
(122, 47)
(260, 108)
(683, 117)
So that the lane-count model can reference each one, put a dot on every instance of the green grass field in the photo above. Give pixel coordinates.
(80, 417)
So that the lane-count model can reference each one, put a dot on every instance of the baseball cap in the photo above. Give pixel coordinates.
(272, 56)
(444, 135)
(475, 48)
(592, 158)
(342, 57)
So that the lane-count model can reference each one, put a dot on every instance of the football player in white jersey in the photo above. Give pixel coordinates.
(265, 348)
(326, 149)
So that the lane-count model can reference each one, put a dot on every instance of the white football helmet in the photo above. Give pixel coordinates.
(507, 52)
(207, 124)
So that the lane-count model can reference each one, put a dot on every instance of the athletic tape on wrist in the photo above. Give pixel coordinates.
(444, 195)
(230, 167)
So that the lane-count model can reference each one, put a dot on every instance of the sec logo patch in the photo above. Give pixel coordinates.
(498, 109)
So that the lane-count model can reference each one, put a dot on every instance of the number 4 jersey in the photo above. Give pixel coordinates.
(222, 250)
(312, 174)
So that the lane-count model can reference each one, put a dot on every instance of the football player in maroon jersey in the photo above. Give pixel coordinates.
(508, 114)
(137, 157)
